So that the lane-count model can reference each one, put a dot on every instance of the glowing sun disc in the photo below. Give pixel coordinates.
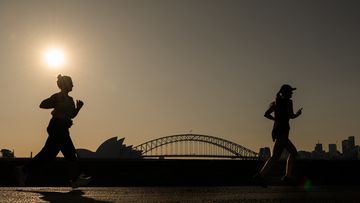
(54, 57)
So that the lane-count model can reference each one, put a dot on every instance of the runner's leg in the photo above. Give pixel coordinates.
(291, 159)
(47, 153)
(277, 150)
(68, 150)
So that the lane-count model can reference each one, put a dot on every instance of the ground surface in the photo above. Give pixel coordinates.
(271, 194)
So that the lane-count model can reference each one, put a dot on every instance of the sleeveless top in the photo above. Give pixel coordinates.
(282, 110)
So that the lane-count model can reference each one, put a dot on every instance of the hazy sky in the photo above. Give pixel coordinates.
(153, 68)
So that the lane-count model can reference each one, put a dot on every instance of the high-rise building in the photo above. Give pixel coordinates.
(345, 147)
(332, 149)
(318, 153)
(318, 148)
(351, 141)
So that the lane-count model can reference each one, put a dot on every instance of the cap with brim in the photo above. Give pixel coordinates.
(287, 88)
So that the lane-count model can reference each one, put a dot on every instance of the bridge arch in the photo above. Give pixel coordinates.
(235, 149)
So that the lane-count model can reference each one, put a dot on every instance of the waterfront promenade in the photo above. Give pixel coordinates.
(272, 194)
(176, 181)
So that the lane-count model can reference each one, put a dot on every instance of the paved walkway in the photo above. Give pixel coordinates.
(180, 194)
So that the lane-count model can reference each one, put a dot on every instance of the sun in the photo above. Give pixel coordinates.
(54, 57)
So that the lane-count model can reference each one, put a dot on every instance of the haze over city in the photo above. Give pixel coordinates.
(148, 69)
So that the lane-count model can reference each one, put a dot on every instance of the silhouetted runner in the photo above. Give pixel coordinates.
(282, 108)
(64, 110)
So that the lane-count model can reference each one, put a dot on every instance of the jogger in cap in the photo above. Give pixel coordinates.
(282, 108)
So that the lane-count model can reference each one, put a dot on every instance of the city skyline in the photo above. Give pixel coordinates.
(114, 147)
(151, 69)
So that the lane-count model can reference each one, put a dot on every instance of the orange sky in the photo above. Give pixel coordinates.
(148, 69)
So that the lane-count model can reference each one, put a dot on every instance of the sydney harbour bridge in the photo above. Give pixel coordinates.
(194, 145)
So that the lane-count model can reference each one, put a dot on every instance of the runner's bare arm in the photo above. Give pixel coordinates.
(269, 111)
(48, 103)
(291, 112)
(79, 105)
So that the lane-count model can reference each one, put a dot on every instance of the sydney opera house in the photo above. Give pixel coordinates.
(111, 149)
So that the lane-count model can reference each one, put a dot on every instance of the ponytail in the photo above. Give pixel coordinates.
(278, 97)
(63, 81)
